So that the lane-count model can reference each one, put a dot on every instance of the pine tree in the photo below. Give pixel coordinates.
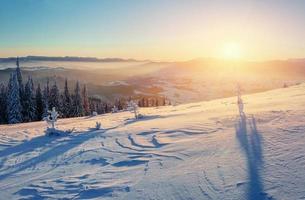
(146, 102)
(21, 87)
(143, 102)
(54, 97)
(106, 108)
(19, 78)
(3, 102)
(46, 96)
(66, 101)
(13, 101)
(92, 105)
(153, 102)
(39, 104)
(157, 102)
(85, 101)
(29, 102)
(119, 104)
(77, 102)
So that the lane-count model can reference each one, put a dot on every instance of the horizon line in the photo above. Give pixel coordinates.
(122, 59)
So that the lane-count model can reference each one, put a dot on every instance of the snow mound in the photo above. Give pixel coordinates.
(56, 132)
(194, 151)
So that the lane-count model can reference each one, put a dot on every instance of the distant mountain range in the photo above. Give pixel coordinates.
(67, 58)
(94, 59)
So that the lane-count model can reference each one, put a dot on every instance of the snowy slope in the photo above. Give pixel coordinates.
(192, 151)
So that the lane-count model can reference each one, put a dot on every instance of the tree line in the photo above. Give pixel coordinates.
(21, 102)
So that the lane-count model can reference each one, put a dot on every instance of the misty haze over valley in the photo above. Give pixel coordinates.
(181, 82)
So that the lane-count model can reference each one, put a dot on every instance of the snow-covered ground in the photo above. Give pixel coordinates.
(192, 151)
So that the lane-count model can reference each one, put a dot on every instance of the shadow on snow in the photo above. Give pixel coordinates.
(250, 141)
(55, 147)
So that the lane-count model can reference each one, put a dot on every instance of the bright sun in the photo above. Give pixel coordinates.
(231, 51)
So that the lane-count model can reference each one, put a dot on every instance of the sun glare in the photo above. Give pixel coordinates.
(231, 51)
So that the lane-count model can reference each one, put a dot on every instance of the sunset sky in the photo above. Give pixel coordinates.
(154, 29)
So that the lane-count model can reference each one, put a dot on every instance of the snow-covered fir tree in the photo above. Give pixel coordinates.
(3, 118)
(46, 95)
(19, 78)
(119, 104)
(66, 101)
(21, 87)
(29, 109)
(142, 102)
(164, 101)
(13, 101)
(39, 104)
(77, 102)
(85, 101)
(54, 97)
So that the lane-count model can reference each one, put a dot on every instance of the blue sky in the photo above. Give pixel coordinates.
(152, 29)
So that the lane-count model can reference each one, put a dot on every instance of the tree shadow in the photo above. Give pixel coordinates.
(149, 117)
(54, 146)
(144, 118)
(26, 147)
(251, 144)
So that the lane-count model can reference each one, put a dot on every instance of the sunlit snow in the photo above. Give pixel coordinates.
(193, 151)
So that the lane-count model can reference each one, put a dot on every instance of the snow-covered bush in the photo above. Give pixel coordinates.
(133, 107)
(98, 125)
(114, 109)
(56, 132)
(52, 117)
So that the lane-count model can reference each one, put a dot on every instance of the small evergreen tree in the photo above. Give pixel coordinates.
(3, 96)
(119, 104)
(19, 78)
(13, 101)
(157, 102)
(146, 102)
(143, 102)
(107, 108)
(29, 109)
(77, 102)
(39, 104)
(85, 101)
(66, 101)
(21, 87)
(46, 95)
(153, 102)
(54, 97)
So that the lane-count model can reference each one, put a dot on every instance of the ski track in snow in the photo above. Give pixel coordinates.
(193, 151)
